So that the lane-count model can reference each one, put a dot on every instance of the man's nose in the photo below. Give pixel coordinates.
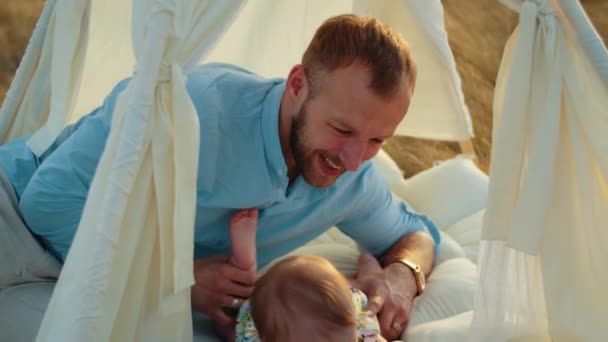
(352, 154)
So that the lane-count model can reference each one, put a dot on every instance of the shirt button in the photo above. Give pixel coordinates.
(279, 172)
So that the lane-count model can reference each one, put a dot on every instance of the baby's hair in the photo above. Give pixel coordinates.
(298, 288)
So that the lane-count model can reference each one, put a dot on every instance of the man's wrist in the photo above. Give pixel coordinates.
(414, 270)
(405, 276)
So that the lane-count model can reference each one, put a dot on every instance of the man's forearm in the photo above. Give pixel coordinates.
(417, 247)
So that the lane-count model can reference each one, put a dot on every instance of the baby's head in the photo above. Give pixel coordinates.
(303, 298)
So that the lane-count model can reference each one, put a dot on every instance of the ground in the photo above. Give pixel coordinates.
(477, 31)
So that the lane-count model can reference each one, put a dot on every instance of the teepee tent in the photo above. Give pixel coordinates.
(548, 197)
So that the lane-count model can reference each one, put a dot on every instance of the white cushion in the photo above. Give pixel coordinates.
(452, 329)
(448, 192)
(467, 233)
(393, 175)
(453, 194)
(448, 249)
(335, 246)
(450, 291)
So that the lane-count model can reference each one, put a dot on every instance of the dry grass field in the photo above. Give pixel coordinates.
(472, 24)
(477, 32)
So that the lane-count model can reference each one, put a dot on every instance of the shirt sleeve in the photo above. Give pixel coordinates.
(54, 198)
(378, 218)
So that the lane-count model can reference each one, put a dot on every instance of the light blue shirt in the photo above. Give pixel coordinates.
(241, 165)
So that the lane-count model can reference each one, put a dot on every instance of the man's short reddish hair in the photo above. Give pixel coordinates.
(344, 39)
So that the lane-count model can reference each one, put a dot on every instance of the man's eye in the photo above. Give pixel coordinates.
(341, 131)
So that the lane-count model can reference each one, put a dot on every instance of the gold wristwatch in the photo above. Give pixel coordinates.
(418, 273)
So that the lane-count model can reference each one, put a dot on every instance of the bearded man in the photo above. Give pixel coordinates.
(295, 149)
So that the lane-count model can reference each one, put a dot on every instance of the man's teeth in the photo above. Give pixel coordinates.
(330, 163)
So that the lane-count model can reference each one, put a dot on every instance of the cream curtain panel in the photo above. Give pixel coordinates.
(269, 39)
(129, 272)
(546, 226)
(437, 110)
(43, 93)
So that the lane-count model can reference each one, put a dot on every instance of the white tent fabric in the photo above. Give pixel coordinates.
(128, 274)
(548, 200)
(270, 46)
(437, 110)
(48, 79)
(541, 276)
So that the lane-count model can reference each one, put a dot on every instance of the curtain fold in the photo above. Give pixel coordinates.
(61, 65)
(545, 228)
(270, 47)
(128, 274)
(46, 84)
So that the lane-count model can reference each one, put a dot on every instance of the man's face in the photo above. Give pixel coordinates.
(343, 125)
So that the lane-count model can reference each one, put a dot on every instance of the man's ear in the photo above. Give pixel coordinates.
(297, 86)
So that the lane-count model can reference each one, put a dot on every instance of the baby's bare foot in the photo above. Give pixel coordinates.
(242, 235)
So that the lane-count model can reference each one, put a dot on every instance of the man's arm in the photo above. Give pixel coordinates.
(383, 225)
(392, 289)
(417, 247)
(54, 198)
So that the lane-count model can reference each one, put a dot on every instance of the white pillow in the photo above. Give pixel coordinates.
(393, 175)
(343, 252)
(452, 329)
(448, 249)
(467, 233)
(448, 192)
(450, 291)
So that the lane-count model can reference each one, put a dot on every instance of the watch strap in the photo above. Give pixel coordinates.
(416, 270)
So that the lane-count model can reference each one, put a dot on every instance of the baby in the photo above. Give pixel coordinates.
(300, 298)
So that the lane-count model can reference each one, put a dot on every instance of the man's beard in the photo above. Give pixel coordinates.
(296, 138)
(303, 154)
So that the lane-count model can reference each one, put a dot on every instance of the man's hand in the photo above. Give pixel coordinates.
(390, 291)
(220, 286)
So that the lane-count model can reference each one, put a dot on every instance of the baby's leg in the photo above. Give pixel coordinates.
(242, 235)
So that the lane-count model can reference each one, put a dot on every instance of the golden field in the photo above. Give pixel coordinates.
(477, 31)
